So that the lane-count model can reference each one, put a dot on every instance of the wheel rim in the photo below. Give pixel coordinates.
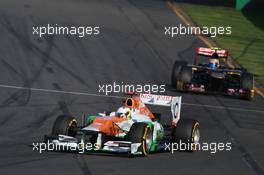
(71, 128)
(149, 139)
(196, 135)
(179, 84)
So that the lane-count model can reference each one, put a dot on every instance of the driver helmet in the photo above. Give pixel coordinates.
(214, 61)
(123, 112)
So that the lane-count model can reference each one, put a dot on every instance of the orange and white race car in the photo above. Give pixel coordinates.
(131, 129)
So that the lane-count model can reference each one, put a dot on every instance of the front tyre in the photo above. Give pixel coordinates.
(187, 132)
(65, 125)
(176, 72)
(141, 133)
(185, 77)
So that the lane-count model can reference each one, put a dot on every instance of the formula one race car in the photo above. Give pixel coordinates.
(132, 129)
(212, 75)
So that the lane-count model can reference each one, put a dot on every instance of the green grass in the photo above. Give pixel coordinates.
(246, 43)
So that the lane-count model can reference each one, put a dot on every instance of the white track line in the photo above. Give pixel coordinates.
(119, 97)
(223, 107)
(59, 91)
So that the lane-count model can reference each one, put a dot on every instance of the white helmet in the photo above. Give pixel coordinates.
(123, 112)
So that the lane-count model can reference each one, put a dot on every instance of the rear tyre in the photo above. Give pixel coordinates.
(65, 125)
(186, 132)
(247, 84)
(141, 133)
(247, 81)
(176, 72)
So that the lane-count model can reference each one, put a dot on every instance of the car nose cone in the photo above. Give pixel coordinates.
(217, 75)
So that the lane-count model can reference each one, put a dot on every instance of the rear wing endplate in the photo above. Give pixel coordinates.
(162, 100)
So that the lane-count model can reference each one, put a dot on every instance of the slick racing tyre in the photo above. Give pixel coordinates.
(176, 72)
(186, 132)
(141, 133)
(65, 125)
(247, 84)
(185, 76)
(247, 81)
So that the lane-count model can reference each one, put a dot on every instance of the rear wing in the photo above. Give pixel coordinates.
(162, 100)
(210, 51)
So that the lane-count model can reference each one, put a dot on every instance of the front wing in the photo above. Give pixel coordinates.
(72, 144)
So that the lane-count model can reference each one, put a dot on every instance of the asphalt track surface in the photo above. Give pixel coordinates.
(131, 48)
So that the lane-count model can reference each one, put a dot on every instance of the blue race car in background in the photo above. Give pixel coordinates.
(210, 73)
